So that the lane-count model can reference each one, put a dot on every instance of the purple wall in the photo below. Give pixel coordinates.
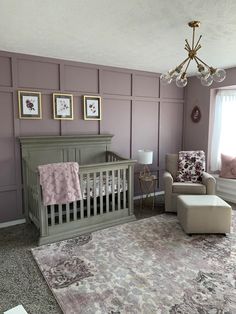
(196, 135)
(135, 108)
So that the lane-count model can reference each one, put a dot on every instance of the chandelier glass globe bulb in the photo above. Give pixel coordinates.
(174, 72)
(204, 73)
(207, 81)
(166, 78)
(181, 81)
(219, 75)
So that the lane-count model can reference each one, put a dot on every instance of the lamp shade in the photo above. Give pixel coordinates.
(145, 156)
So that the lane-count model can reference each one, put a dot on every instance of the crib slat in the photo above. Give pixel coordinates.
(60, 213)
(113, 189)
(124, 191)
(100, 191)
(75, 211)
(118, 188)
(94, 195)
(107, 191)
(82, 199)
(52, 207)
(67, 212)
(88, 194)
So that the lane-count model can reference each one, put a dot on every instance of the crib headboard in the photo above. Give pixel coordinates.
(83, 148)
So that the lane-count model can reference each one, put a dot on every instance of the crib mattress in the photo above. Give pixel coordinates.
(97, 186)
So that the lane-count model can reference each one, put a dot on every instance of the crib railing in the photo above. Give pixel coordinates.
(107, 196)
(111, 156)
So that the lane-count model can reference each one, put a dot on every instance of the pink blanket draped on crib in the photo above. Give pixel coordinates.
(60, 183)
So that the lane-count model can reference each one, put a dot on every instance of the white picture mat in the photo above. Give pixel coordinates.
(30, 105)
(63, 107)
(92, 107)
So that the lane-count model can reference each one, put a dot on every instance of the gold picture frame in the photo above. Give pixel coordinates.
(63, 106)
(92, 107)
(29, 105)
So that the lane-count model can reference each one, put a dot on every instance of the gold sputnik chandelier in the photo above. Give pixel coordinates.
(206, 73)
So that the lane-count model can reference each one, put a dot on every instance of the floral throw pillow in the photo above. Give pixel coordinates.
(191, 166)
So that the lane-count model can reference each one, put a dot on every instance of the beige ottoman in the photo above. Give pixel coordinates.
(203, 214)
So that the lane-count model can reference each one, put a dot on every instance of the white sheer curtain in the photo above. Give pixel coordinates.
(224, 127)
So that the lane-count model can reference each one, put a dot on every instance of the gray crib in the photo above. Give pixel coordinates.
(106, 182)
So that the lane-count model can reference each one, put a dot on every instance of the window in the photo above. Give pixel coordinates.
(224, 127)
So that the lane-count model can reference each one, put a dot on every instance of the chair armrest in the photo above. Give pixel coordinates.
(210, 182)
(168, 179)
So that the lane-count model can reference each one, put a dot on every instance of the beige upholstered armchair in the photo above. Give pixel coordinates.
(173, 189)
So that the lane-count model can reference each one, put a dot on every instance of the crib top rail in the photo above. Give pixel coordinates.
(35, 141)
(82, 148)
(109, 165)
(89, 150)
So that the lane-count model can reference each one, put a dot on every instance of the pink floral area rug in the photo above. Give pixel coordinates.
(148, 266)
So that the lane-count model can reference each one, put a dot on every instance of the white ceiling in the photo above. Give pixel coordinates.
(137, 34)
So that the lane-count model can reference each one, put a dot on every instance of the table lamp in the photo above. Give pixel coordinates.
(145, 157)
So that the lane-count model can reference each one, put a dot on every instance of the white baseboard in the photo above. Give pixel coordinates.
(12, 223)
(151, 194)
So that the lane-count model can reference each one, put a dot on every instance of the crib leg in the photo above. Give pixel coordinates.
(43, 221)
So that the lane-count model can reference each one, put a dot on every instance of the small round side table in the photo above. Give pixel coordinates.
(147, 185)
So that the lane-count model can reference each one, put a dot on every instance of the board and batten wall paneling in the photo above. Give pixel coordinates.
(130, 100)
(8, 187)
(146, 86)
(7, 160)
(81, 79)
(116, 115)
(145, 134)
(8, 205)
(171, 92)
(5, 73)
(171, 118)
(38, 74)
(116, 83)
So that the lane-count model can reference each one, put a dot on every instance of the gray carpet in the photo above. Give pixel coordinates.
(20, 279)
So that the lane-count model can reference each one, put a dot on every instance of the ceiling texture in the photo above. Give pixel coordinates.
(136, 34)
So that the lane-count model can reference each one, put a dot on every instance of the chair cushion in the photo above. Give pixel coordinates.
(191, 166)
(188, 188)
(228, 167)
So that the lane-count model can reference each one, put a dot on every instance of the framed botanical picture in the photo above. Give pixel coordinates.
(92, 108)
(29, 105)
(63, 106)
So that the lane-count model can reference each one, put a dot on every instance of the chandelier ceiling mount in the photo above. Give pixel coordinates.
(207, 74)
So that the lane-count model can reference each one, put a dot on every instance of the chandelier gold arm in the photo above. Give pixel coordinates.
(195, 59)
(179, 67)
(187, 44)
(199, 65)
(203, 62)
(198, 47)
(193, 38)
(200, 37)
(189, 60)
